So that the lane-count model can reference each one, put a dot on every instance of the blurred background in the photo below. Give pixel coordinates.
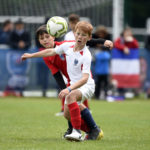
(110, 18)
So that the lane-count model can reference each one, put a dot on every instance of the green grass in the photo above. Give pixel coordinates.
(30, 124)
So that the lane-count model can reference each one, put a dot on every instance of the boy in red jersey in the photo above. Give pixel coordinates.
(74, 134)
(56, 64)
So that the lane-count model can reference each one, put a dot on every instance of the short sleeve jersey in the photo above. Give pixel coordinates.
(69, 36)
(77, 62)
(56, 63)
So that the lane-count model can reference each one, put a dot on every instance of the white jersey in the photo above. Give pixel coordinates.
(77, 62)
(69, 36)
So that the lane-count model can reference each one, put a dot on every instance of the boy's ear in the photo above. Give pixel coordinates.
(90, 37)
(53, 37)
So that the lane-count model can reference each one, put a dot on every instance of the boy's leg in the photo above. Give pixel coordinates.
(62, 104)
(86, 103)
(86, 116)
(84, 126)
(61, 83)
(67, 116)
(94, 131)
(75, 116)
(88, 124)
(78, 95)
(87, 92)
(97, 88)
(61, 113)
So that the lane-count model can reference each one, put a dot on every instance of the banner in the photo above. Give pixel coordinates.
(125, 69)
(15, 73)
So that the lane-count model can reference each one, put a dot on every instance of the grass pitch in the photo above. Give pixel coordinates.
(30, 124)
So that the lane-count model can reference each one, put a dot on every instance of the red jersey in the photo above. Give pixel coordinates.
(121, 44)
(57, 63)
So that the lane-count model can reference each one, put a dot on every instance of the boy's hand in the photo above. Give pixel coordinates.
(63, 93)
(108, 44)
(126, 51)
(25, 56)
(128, 38)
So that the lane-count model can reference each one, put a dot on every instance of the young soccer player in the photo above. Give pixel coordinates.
(78, 92)
(73, 19)
(57, 64)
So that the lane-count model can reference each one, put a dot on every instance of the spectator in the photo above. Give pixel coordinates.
(73, 20)
(125, 62)
(5, 32)
(126, 41)
(147, 46)
(143, 71)
(101, 69)
(18, 74)
(102, 59)
(20, 39)
(101, 32)
(147, 42)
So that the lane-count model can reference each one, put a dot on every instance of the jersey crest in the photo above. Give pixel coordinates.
(75, 62)
(62, 57)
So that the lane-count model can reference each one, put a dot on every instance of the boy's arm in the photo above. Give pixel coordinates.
(81, 82)
(44, 53)
(108, 44)
(55, 72)
(59, 79)
(94, 42)
(74, 86)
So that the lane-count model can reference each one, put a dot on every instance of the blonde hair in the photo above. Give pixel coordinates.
(84, 26)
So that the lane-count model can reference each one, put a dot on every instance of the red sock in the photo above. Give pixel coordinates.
(62, 104)
(75, 115)
(84, 126)
(86, 103)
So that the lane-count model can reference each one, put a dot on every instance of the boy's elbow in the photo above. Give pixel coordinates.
(85, 80)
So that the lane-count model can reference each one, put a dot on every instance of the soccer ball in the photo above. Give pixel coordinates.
(57, 26)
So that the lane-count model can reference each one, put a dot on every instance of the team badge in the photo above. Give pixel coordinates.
(75, 62)
(62, 57)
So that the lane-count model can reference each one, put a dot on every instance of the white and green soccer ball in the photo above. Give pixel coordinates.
(57, 26)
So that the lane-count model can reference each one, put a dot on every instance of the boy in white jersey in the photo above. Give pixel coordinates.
(73, 19)
(82, 85)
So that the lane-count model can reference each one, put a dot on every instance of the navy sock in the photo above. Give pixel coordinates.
(70, 125)
(87, 117)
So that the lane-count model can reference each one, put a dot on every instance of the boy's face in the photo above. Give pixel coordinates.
(72, 25)
(8, 27)
(127, 33)
(46, 40)
(81, 37)
(19, 27)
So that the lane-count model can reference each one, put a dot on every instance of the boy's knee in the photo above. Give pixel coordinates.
(82, 107)
(66, 115)
(70, 98)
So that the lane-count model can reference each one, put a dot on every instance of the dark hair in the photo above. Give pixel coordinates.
(41, 30)
(7, 22)
(19, 22)
(101, 32)
(73, 18)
